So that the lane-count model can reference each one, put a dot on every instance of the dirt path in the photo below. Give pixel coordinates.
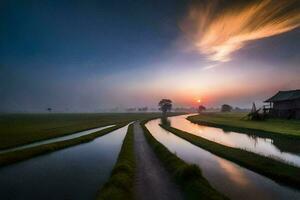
(152, 180)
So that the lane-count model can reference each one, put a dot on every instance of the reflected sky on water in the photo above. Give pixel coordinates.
(233, 180)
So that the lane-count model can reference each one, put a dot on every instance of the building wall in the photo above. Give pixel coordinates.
(283, 105)
(286, 109)
(297, 103)
(297, 114)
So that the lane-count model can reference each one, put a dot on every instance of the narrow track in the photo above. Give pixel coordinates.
(152, 181)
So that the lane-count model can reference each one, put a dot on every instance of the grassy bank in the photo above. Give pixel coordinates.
(271, 168)
(235, 122)
(19, 129)
(188, 177)
(15, 156)
(120, 184)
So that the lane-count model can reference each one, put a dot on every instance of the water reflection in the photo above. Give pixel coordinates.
(56, 139)
(259, 145)
(73, 173)
(233, 174)
(165, 121)
(234, 181)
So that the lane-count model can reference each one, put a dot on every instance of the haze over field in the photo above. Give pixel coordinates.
(87, 56)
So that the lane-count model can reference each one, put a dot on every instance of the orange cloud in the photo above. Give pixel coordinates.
(218, 30)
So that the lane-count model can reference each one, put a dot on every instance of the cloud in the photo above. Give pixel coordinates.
(210, 66)
(219, 28)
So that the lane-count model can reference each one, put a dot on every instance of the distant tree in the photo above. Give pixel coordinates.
(226, 108)
(143, 109)
(201, 108)
(237, 109)
(165, 105)
(49, 109)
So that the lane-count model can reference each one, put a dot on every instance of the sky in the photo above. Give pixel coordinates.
(91, 56)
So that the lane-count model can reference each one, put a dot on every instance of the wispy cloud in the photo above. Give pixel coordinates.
(219, 28)
(210, 66)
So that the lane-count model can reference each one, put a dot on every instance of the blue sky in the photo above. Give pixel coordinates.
(93, 55)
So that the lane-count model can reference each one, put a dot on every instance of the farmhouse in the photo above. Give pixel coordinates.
(285, 104)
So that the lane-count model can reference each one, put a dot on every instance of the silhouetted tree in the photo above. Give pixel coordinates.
(201, 108)
(226, 108)
(49, 109)
(165, 105)
(237, 109)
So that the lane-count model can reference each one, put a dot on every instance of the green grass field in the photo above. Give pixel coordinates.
(235, 121)
(18, 129)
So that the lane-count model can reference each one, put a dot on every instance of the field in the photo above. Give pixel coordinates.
(236, 121)
(185, 176)
(23, 154)
(18, 129)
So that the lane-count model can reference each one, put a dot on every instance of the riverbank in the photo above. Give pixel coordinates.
(188, 177)
(271, 168)
(120, 183)
(235, 122)
(20, 129)
(19, 155)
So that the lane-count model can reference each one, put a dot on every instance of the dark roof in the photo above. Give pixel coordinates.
(285, 96)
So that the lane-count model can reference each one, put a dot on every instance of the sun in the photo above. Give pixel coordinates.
(199, 100)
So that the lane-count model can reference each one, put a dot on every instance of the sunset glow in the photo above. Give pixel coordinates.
(210, 53)
(195, 99)
(218, 36)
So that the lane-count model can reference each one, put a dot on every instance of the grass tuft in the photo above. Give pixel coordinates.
(120, 184)
(187, 173)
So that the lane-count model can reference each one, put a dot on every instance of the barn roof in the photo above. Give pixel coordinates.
(285, 96)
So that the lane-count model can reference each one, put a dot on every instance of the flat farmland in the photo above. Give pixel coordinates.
(19, 129)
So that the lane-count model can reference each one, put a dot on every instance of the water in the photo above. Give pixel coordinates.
(56, 139)
(259, 145)
(73, 173)
(232, 180)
